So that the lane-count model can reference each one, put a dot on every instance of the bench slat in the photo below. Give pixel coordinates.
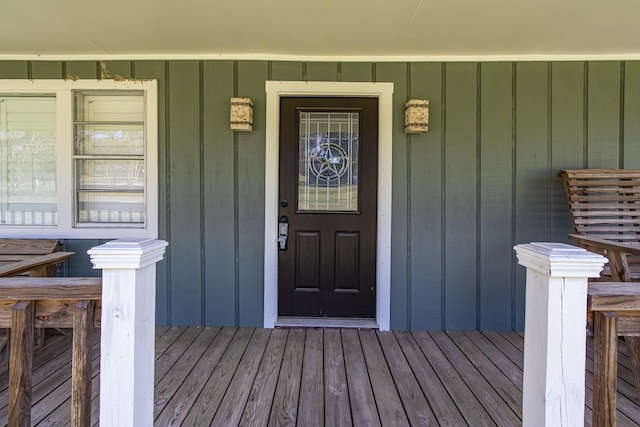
(28, 246)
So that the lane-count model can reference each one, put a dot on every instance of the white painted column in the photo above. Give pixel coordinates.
(128, 329)
(555, 332)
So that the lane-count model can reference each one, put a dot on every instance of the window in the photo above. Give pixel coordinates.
(78, 159)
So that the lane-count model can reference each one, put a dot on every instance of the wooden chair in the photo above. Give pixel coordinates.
(605, 209)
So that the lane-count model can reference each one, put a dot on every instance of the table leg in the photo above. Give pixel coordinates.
(605, 368)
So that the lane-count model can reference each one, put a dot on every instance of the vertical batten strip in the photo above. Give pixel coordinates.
(167, 154)
(408, 141)
(550, 175)
(236, 210)
(443, 197)
(585, 116)
(203, 225)
(514, 185)
(621, 161)
(478, 218)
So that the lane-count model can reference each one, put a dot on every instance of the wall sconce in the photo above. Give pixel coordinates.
(416, 116)
(241, 117)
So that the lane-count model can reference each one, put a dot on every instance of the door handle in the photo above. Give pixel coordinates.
(283, 233)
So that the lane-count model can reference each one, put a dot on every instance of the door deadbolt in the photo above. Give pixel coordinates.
(283, 232)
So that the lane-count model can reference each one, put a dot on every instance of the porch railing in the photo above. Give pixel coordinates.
(49, 302)
(121, 302)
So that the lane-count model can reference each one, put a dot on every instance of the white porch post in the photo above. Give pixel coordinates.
(555, 332)
(128, 329)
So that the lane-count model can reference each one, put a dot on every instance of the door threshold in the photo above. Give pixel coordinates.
(325, 322)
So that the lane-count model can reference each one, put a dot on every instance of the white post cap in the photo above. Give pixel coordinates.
(559, 259)
(129, 253)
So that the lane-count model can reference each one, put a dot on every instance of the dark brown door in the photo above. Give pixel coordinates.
(328, 198)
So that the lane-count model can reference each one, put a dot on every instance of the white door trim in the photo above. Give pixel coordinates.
(384, 93)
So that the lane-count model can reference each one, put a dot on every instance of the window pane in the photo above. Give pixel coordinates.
(109, 150)
(110, 207)
(109, 139)
(104, 175)
(328, 162)
(105, 106)
(28, 160)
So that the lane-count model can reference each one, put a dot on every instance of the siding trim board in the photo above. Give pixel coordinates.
(328, 58)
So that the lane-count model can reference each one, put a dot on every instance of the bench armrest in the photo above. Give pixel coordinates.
(608, 245)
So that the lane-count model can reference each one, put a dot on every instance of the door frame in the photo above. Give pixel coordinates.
(384, 92)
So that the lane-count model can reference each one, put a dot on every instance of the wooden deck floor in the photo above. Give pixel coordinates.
(314, 377)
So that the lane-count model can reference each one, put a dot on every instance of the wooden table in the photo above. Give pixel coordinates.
(616, 312)
(33, 257)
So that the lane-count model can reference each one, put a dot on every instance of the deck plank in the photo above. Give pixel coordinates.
(180, 403)
(337, 411)
(469, 406)
(498, 358)
(288, 377)
(45, 363)
(47, 381)
(311, 405)
(443, 406)
(506, 390)
(60, 416)
(363, 404)
(260, 401)
(234, 401)
(384, 389)
(207, 403)
(168, 358)
(413, 399)
(506, 347)
(167, 387)
(489, 398)
(284, 410)
(164, 341)
(51, 400)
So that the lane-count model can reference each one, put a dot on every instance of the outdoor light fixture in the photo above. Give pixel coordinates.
(416, 116)
(241, 117)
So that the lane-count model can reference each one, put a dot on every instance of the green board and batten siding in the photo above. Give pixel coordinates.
(480, 181)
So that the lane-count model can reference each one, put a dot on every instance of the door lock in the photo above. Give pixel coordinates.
(283, 233)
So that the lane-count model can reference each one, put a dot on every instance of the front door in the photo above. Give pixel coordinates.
(328, 207)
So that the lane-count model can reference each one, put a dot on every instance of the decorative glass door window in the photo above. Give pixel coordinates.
(328, 161)
(28, 160)
(109, 150)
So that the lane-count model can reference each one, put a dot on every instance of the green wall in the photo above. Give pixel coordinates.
(480, 181)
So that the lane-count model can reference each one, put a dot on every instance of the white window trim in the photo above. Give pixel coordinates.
(384, 93)
(64, 122)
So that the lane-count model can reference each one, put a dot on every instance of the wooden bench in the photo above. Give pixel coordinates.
(616, 312)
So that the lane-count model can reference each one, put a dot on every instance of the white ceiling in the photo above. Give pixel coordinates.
(304, 29)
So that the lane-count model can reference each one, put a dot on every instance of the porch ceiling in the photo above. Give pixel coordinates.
(419, 29)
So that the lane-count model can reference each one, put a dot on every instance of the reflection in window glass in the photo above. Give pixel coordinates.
(28, 160)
